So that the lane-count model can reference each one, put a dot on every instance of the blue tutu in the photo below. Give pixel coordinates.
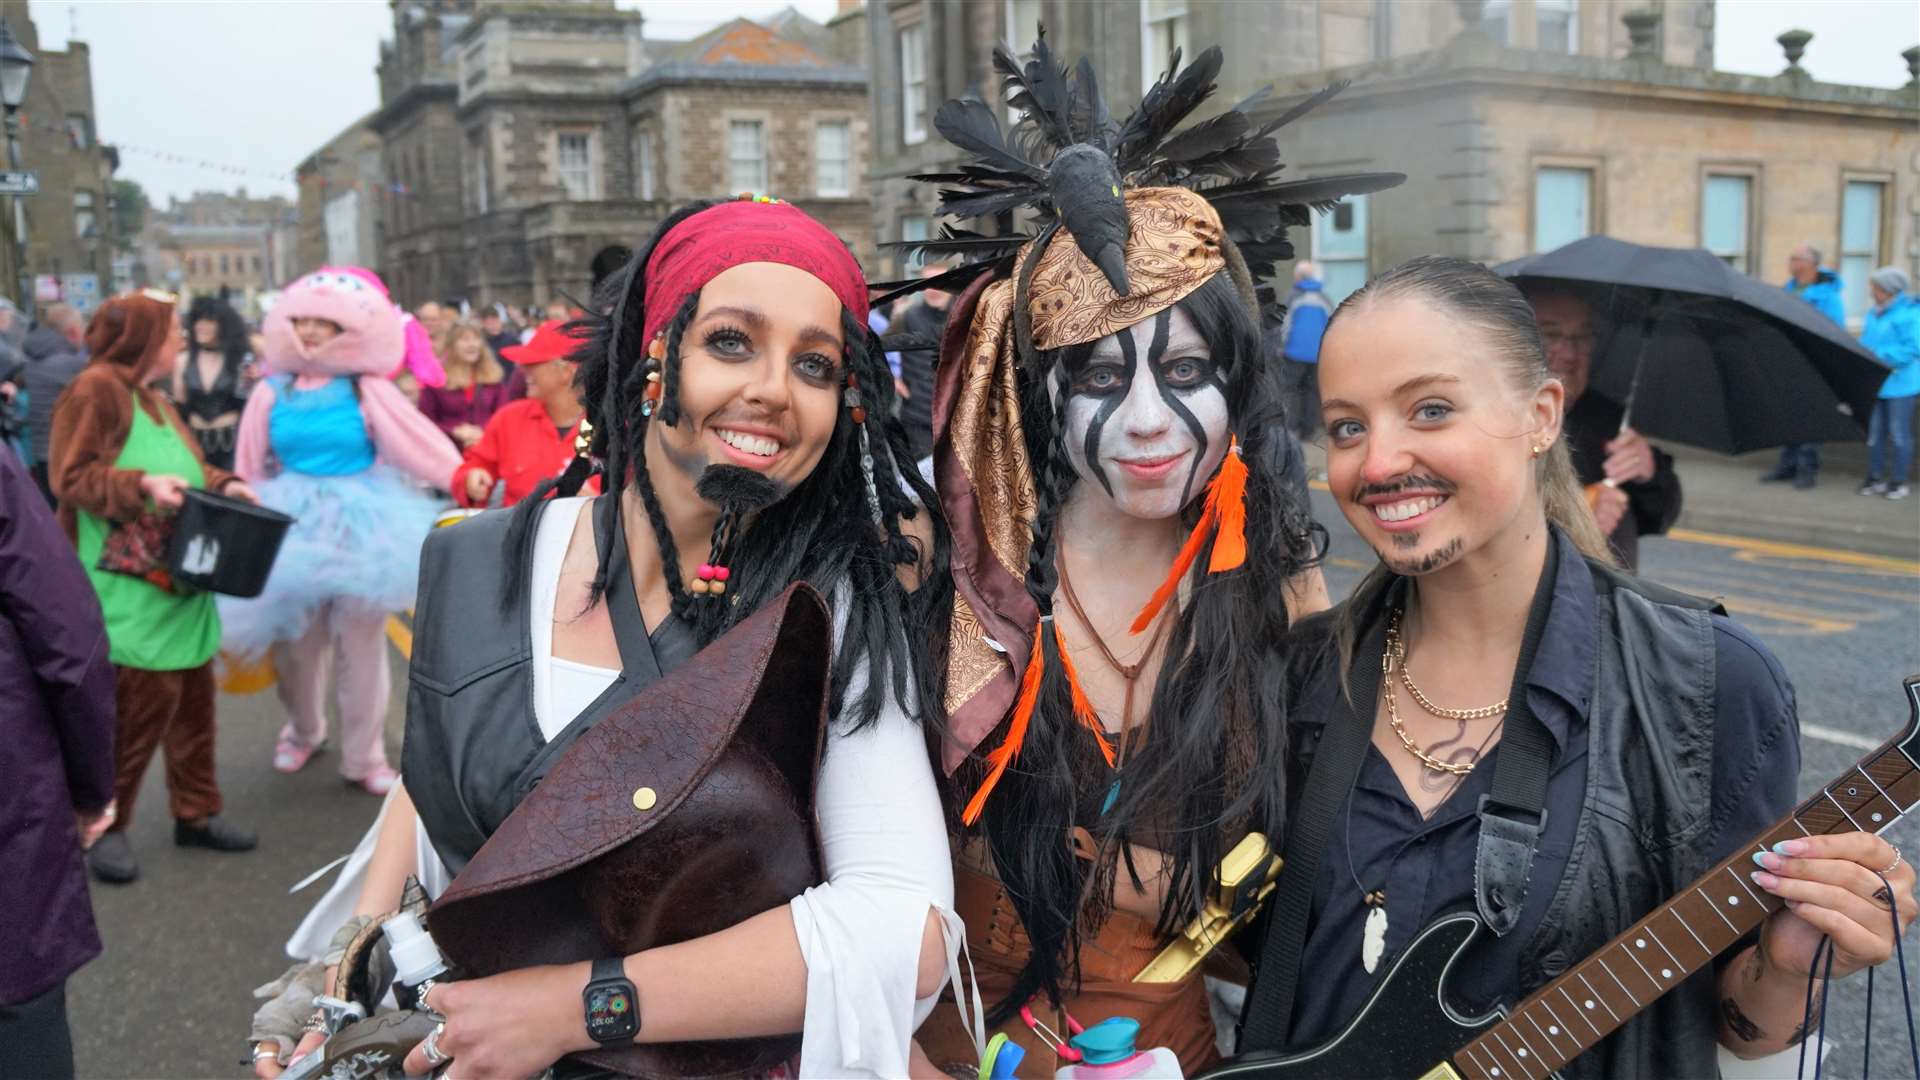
(353, 537)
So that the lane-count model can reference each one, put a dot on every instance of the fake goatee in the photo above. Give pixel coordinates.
(737, 490)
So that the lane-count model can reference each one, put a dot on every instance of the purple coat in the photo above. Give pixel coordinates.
(449, 408)
(56, 741)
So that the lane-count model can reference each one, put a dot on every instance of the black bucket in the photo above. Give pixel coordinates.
(224, 545)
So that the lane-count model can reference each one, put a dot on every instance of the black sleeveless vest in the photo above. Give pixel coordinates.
(473, 747)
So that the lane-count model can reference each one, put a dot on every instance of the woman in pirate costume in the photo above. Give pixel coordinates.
(728, 390)
(1131, 540)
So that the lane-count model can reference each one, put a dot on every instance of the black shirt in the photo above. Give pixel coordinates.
(1426, 866)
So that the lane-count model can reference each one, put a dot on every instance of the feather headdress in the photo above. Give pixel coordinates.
(1066, 160)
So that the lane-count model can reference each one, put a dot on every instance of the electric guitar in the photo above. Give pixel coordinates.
(1406, 1029)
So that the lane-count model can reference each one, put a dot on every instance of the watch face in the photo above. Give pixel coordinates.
(610, 1013)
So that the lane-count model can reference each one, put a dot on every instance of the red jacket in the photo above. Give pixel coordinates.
(522, 446)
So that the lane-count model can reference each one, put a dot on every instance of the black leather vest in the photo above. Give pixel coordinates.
(473, 747)
(1644, 821)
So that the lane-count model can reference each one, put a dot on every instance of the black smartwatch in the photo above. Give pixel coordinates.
(613, 1008)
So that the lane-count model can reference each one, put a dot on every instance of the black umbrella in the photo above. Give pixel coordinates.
(1707, 356)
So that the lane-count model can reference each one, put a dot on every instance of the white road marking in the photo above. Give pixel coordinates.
(1835, 735)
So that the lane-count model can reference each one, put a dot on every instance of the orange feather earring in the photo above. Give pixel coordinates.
(1224, 517)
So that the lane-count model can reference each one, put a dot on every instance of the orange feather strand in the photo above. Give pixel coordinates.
(1000, 756)
(1082, 708)
(1228, 502)
(1224, 509)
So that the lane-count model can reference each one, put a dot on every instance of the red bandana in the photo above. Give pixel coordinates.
(721, 237)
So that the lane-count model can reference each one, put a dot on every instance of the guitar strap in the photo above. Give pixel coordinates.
(1268, 1014)
(1514, 814)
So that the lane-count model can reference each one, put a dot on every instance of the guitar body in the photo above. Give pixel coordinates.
(1405, 1031)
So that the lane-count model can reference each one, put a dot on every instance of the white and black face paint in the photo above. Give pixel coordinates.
(1146, 415)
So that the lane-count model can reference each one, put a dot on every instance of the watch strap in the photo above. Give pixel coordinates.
(608, 968)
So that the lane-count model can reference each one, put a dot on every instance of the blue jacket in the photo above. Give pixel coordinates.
(1823, 294)
(1893, 334)
(1307, 314)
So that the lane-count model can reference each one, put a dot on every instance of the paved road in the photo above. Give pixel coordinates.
(186, 944)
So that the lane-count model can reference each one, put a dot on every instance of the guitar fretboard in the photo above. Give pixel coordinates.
(1590, 1001)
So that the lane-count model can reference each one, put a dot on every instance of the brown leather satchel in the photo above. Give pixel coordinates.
(684, 813)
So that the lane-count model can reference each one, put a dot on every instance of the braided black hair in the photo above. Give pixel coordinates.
(822, 532)
(1210, 763)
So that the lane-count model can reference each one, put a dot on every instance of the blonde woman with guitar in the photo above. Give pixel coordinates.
(1500, 722)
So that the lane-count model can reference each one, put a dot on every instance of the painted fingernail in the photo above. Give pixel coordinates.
(1768, 859)
(1764, 879)
(1791, 847)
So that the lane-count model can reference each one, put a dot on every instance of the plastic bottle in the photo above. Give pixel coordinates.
(415, 957)
(1109, 1054)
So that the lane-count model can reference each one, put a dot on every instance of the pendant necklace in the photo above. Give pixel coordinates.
(1373, 934)
(1129, 673)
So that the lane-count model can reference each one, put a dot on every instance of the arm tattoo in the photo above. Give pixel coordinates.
(1737, 1021)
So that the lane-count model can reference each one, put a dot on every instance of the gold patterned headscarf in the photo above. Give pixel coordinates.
(981, 467)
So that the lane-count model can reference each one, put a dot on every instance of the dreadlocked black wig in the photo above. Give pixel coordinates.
(839, 529)
(1133, 220)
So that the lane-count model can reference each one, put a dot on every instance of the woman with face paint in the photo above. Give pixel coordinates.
(741, 412)
(1666, 733)
(1131, 542)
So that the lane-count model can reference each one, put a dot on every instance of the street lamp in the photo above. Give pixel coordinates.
(16, 66)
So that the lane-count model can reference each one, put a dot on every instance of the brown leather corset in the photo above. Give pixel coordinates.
(1174, 1015)
(686, 812)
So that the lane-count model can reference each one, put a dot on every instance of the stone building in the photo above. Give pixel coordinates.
(69, 224)
(1522, 124)
(217, 243)
(342, 201)
(525, 138)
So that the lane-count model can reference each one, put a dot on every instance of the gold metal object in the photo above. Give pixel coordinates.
(1394, 658)
(1442, 1071)
(644, 798)
(1252, 855)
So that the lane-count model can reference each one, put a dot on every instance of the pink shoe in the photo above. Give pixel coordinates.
(290, 756)
(378, 782)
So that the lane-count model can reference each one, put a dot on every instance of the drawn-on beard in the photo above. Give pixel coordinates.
(1425, 564)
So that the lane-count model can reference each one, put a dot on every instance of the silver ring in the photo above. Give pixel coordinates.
(1895, 864)
(430, 1047)
(262, 1055)
(420, 993)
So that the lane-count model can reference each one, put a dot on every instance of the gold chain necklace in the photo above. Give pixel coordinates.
(1395, 660)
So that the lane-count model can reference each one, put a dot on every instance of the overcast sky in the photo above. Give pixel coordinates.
(244, 90)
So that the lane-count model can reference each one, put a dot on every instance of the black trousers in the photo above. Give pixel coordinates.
(34, 1040)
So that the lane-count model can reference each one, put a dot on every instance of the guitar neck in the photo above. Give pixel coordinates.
(1591, 1000)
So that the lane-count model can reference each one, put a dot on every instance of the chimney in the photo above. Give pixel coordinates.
(1794, 43)
(1643, 34)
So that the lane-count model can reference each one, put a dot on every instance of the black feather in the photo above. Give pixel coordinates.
(1039, 90)
(971, 125)
(975, 175)
(1160, 113)
(1304, 107)
(1206, 137)
(1322, 189)
(976, 203)
(952, 281)
(1097, 122)
(1247, 103)
(1243, 159)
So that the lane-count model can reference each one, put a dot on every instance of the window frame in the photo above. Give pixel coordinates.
(1882, 240)
(1363, 209)
(912, 262)
(734, 185)
(1572, 8)
(589, 171)
(1744, 170)
(646, 180)
(1179, 34)
(1596, 167)
(1504, 10)
(820, 187)
(914, 122)
(480, 178)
